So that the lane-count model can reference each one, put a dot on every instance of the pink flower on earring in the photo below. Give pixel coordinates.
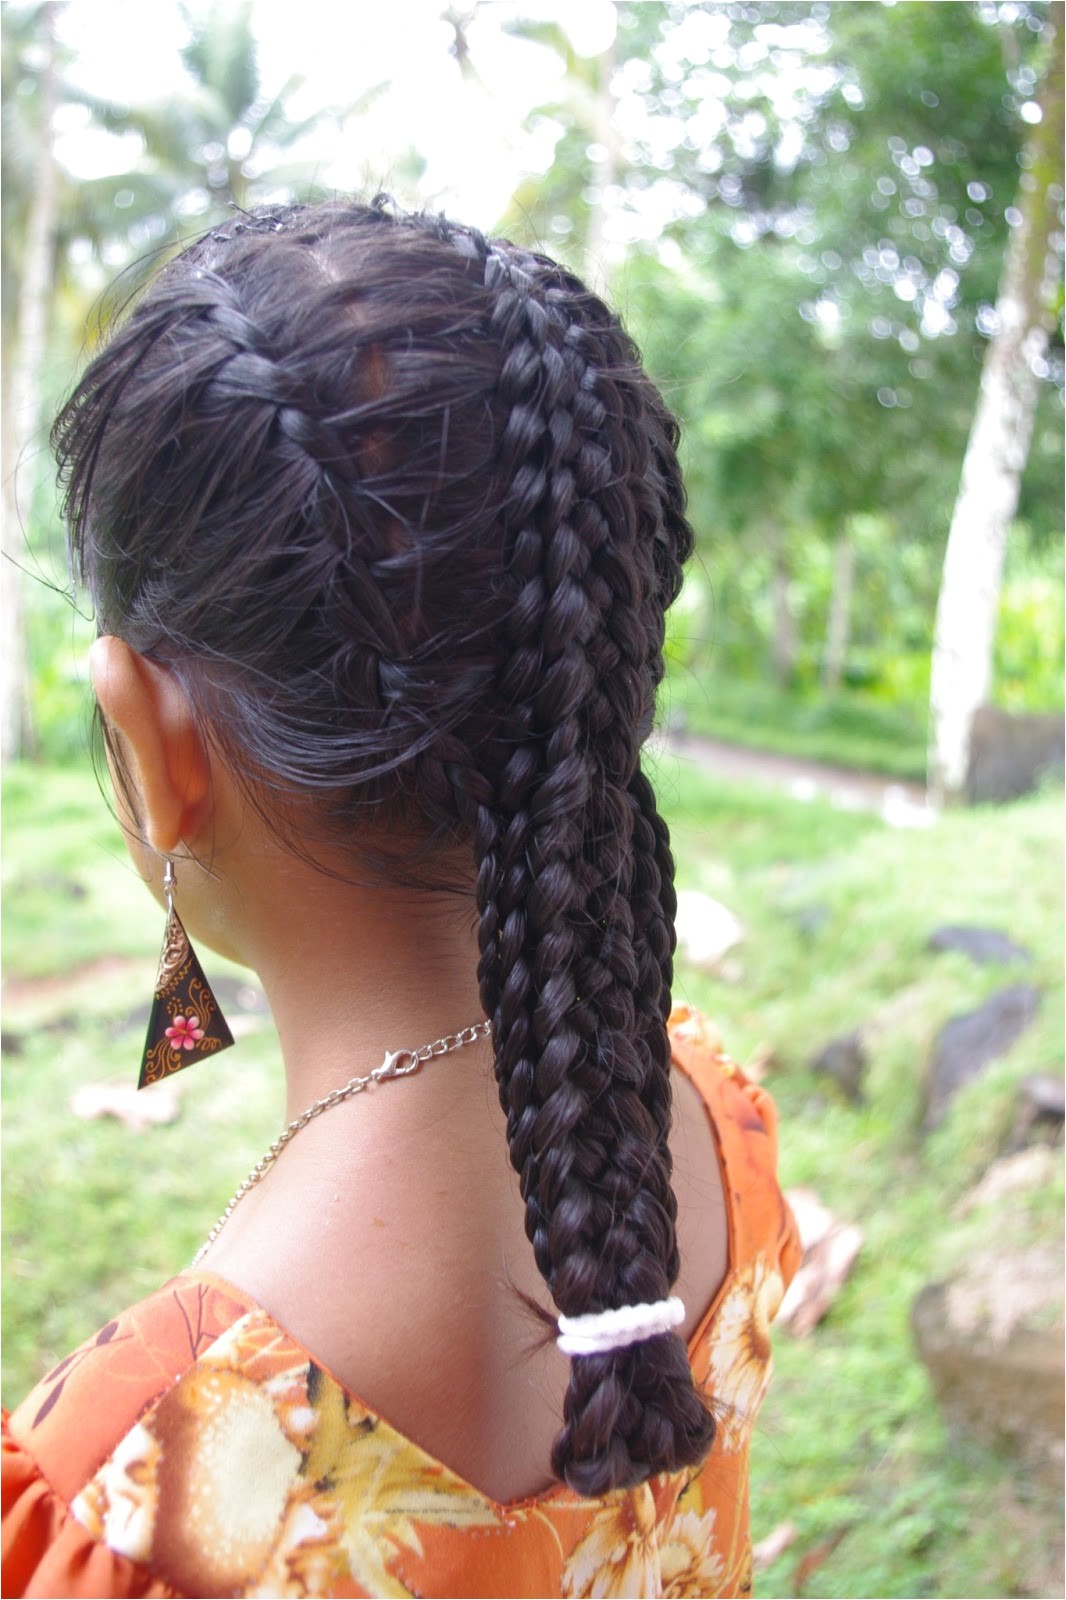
(185, 1033)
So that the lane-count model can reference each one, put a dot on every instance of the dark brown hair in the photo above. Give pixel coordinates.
(402, 511)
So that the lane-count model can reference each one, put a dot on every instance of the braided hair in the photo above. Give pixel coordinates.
(401, 510)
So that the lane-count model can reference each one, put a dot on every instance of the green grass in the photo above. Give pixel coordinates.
(95, 1215)
(850, 1438)
(847, 729)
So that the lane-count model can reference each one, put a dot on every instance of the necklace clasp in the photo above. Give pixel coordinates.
(397, 1064)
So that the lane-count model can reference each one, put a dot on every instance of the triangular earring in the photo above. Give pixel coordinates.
(186, 1024)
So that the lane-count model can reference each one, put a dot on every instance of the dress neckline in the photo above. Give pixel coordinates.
(553, 1490)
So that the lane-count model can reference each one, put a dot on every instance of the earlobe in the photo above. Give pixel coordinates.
(171, 768)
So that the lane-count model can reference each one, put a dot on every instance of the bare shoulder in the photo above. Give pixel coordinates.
(702, 1219)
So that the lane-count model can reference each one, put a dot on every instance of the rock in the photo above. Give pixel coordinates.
(1010, 753)
(986, 946)
(810, 919)
(965, 1045)
(1019, 1173)
(706, 929)
(990, 1332)
(1041, 1111)
(1000, 1382)
(844, 1059)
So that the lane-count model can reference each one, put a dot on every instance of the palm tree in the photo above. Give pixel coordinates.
(222, 143)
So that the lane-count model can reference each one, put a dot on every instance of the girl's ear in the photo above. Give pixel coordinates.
(170, 764)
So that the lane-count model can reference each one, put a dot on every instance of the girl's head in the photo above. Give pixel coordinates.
(400, 512)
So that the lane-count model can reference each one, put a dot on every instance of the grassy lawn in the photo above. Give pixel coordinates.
(837, 910)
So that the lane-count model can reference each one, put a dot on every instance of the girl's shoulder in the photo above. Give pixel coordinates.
(194, 1447)
(742, 1118)
(70, 1421)
(63, 1441)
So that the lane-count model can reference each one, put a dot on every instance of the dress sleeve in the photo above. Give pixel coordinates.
(46, 1551)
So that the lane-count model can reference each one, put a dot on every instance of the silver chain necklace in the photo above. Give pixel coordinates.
(397, 1064)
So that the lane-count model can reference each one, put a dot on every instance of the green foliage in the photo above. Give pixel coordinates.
(819, 318)
(81, 940)
(1030, 640)
(59, 639)
(834, 182)
(851, 728)
(838, 912)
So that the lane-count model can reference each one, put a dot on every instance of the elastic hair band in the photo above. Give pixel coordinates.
(600, 1331)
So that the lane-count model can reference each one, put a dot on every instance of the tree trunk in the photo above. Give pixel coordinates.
(21, 406)
(785, 643)
(997, 450)
(838, 632)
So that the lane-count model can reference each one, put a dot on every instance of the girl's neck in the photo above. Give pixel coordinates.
(352, 969)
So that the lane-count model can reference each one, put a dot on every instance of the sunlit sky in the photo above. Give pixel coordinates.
(469, 129)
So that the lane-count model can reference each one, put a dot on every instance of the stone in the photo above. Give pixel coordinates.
(845, 1061)
(965, 1045)
(810, 919)
(1016, 1174)
(1041, 1111)
(1001, 1384)
(1012, 753)
(985, 946)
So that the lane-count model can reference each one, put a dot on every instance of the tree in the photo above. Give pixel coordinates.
(834, 181)
(224, 142)
(23, 355)
(999, 442)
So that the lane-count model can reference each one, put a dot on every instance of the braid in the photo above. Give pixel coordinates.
(402, 510)
(575, 884)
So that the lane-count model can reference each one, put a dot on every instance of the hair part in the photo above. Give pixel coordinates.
(402, 511)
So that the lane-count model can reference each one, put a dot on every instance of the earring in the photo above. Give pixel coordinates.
(186, 1023)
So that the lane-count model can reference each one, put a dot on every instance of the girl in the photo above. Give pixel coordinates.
(380, 520)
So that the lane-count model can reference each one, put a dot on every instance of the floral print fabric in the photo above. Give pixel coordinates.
(194, 1448)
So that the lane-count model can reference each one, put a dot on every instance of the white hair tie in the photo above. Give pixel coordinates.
(599, 1331)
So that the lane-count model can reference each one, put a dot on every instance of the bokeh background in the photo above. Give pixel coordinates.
(836, 231)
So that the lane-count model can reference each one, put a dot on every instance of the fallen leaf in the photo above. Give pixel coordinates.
(808, 1565)
(766, 1552)
(812, 1218)
(829, 1252)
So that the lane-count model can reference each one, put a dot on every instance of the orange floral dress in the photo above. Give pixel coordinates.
(193, 1447)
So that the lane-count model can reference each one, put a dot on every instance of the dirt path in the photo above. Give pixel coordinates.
(900, 804)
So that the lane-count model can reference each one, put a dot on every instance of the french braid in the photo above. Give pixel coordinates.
(401, 508)
(575, 884)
